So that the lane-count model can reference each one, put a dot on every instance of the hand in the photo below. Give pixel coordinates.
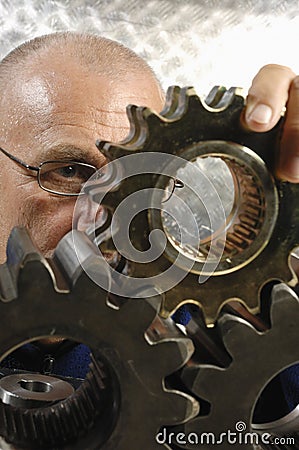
(273, 88)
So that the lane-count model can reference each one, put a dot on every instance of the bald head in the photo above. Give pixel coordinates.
(59, 94)
(102, 56)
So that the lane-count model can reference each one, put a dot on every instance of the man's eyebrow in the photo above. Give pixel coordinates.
(71, 153)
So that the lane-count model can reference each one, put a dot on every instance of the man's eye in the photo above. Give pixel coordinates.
(68, 171)
(63, 177)
(73, 172)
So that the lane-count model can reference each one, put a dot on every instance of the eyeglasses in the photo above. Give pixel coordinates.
(59, 177)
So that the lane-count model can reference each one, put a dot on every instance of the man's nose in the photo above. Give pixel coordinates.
(88, 215)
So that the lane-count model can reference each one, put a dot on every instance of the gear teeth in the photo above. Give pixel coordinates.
(146, 124)
(220, 98)
(202, 383)
(165, 332)
(141, 120)
(139, 128)
(284, 300)
(218, 119)
(234, 339)
(210, 310)
(185, 95)
(145, 311)
(171, 102)
(56, 424)
(178, 402)
(75, 251)
(22, 256)
(272, 351)
(177, 101)
(8, 287)
(133, 140)
(133, 113)
(20, 250)
(214, 96)
(160, 334)
(135, 367)
(227, 98)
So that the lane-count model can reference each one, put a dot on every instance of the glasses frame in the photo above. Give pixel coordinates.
(38, 169)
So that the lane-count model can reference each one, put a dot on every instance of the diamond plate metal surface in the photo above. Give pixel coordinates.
(190, 42)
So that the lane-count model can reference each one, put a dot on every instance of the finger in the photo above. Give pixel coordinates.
(288, 164)
(267, 96)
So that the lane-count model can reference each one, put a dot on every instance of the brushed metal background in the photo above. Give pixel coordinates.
(187, 42)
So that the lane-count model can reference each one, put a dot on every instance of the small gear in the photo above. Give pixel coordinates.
(261, 226)
(257, 357)
(60, 423)
(134, 348)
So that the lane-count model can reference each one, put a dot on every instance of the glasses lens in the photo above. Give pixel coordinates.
(64, 177)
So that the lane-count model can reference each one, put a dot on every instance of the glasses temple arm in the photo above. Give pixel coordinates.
(19, 161)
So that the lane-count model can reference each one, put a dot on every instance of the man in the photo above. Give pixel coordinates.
(59, 93)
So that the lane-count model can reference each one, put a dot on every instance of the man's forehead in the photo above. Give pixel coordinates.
(61, 102)
(55, 83)
(61, 83)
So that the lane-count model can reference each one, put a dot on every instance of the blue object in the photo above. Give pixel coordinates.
(182, 315)
(290, 385)
(74, 362)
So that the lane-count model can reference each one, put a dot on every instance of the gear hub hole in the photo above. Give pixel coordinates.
(52, 391)
(35, 386)
(278, 404)
(233, 201)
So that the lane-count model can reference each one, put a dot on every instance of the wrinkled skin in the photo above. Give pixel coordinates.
(58, 111)
(57, 107)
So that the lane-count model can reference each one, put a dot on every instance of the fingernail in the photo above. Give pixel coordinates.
(289, 168)
(261, 114)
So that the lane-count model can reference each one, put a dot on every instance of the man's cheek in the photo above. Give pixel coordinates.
(47, 221)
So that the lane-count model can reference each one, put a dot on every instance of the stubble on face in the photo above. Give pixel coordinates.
(59, 108)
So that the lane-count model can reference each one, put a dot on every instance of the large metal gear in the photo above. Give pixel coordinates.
(261, 226)
(233, 391)
(124, 400)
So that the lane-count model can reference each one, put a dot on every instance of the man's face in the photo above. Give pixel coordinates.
(57, 110)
